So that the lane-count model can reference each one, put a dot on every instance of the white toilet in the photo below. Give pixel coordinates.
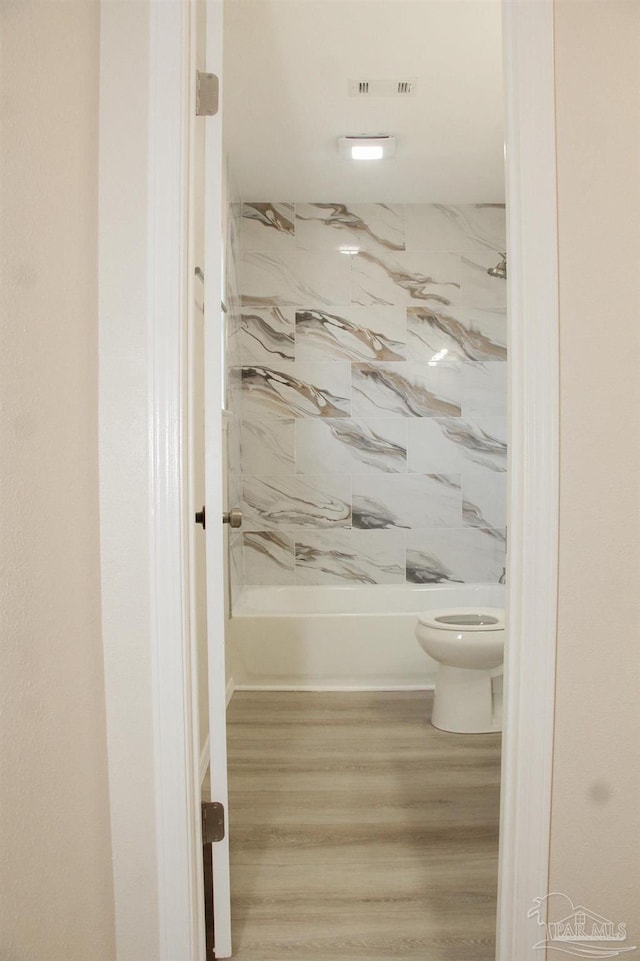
(468, 644)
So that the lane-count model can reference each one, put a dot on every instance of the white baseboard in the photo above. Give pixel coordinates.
(337, 688)
(231, 687)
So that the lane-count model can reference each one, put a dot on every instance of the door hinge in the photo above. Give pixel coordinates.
(209, 926)
(206, 94)
(212, 822)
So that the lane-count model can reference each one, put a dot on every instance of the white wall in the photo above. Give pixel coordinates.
(595, 844)
(57, 900)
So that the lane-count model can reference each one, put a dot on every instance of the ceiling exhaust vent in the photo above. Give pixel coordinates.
(382, 88)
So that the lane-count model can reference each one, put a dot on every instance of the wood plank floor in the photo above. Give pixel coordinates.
(358, 831)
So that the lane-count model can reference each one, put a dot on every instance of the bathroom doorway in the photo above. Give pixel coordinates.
(367, 430)
(533, 529)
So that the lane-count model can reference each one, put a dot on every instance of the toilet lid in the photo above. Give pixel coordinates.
(464, 618)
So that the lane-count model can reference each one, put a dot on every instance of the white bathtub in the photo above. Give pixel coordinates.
(339, 638)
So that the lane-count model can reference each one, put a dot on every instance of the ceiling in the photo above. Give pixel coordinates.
(286, 77)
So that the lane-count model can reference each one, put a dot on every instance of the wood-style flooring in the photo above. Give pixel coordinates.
(359, 832)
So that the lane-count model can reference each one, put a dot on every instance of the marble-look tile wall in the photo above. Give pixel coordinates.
(232, 423)
(373, 393)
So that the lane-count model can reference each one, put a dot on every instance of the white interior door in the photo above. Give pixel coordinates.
(214, 481)
(207, 451)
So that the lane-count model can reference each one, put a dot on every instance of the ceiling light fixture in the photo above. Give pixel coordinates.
(367, 148)
(367, 152)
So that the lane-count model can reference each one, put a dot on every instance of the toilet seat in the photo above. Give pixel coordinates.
(479, 618)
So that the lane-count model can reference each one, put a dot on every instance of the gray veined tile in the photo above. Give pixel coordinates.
(268, 446)
(484, 390)
(451, 444)
(493, 434)
(233, 390)
(483, 440)
(236, 566)
(267, 335)
(232, 338)
(478, 288)
(232, 426)
(406, 390)
(232, 252)
(428, 567)
(298, 278)
(406, 500)
(267, 226)
(293, 503)
(233, 475)
(356, 333)
(350, 557)
(348, 446)
(300, 390)
(431, 449)
(234, 223)
(467, 556)
(269, 557)
(231, 292)
(436, 334)
(350, 227)
(463, 228)
(485, 501)
(405, 278)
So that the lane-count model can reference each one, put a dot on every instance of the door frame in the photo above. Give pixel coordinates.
(534, 457)
(534, 461)
(175, 696)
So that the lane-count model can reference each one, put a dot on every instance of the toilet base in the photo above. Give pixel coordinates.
(467, 701)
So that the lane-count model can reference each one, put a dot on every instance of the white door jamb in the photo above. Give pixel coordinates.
(533, 473)
(179, 844)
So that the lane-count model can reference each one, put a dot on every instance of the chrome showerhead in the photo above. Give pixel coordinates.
(500, 270)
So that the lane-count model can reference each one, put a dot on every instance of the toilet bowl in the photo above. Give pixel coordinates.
(468, 644)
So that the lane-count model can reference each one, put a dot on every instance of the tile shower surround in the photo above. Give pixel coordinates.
(372, 390)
